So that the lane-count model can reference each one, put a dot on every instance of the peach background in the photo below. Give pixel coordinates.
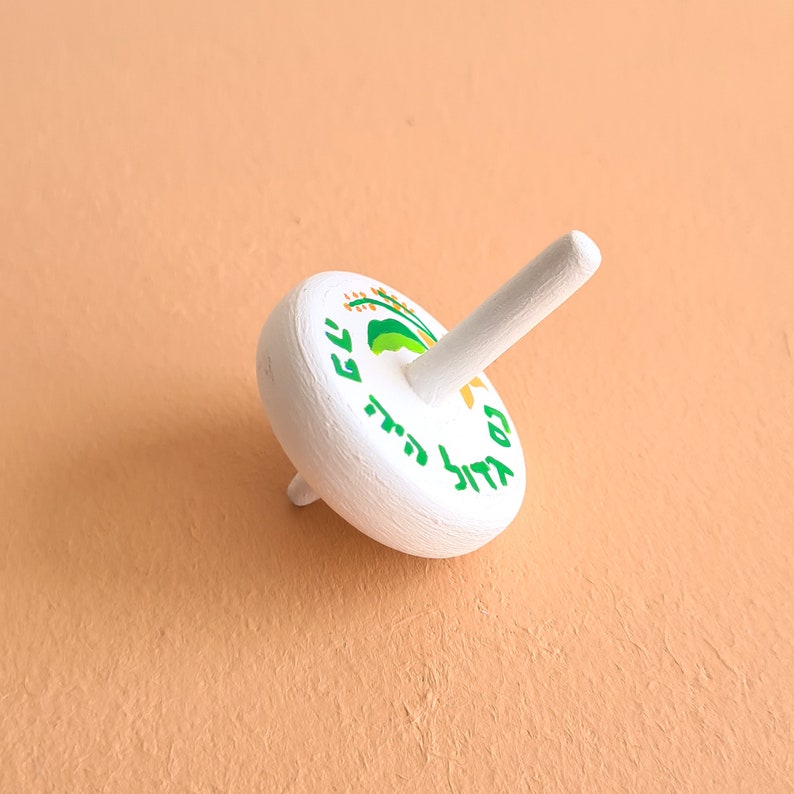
(168, 170)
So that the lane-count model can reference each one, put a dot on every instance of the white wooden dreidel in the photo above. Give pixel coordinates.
(389, 419)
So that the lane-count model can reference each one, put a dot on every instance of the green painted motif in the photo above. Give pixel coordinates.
(361, 301)
(392, 335)
(349, 369)
(388, 425)
(343, 341)
(498, 434)
(465, 473)
(395, 334)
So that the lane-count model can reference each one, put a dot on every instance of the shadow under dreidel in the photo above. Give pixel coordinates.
(200, 505)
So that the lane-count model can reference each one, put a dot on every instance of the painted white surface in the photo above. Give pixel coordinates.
(389, 419)
(300, 493)
(434, 481)
(511, 312)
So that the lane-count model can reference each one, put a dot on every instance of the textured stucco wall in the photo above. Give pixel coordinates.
(168, 170)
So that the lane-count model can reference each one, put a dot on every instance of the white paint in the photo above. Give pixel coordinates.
(300, 493)
(434, 479)
(357, 468)
(514, 310)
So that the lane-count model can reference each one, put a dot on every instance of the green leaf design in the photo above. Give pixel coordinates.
(392, 335)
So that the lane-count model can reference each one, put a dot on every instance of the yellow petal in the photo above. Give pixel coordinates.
(427, 340)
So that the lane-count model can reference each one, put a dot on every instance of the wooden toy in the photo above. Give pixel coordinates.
(389, 419)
